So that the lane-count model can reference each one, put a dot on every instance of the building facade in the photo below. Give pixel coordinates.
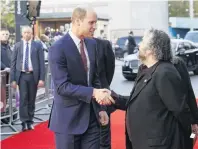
(117, 18)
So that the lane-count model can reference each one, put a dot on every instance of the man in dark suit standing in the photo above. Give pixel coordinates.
(75, 113)
(106, 67)
(28, 72)
(131, 43)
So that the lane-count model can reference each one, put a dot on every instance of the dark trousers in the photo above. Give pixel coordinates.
(27, 90)
(88, 140)
(128, 142)
(105, 136)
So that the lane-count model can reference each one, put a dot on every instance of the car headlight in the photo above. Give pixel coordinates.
(126, 63)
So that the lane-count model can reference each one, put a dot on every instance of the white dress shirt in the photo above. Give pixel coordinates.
(29, 57)
(77, 43)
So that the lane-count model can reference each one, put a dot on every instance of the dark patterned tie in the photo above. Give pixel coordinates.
(83, 55)
(26, 67)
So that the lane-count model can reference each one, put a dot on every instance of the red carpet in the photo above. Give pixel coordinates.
(43, 138)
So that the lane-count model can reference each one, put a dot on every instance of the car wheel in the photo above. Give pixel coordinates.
(130, 78)
(195, 71)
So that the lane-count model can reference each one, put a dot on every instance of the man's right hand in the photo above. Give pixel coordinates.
(103, 96)
(14, 84)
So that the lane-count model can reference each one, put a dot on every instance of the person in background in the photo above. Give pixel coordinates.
(106, 68)
(45, 42)
(131, 43)
(6, 51)
(190, 98)
(28, 72)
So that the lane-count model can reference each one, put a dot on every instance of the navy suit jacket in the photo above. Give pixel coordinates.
(73, 96)
(37, 58)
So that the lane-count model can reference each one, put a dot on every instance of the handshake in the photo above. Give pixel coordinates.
(103, 96)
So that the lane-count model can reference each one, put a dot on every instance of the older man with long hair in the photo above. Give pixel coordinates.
(157, 113)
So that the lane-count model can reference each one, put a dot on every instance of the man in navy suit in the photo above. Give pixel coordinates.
(76, 114)
(28, 72)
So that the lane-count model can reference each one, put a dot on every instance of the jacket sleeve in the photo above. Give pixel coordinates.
(60, 76)
(120, 101)
(41, 62)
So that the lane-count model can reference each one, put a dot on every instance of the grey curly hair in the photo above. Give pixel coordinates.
(159, 42)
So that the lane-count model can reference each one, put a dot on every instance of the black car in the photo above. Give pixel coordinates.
(130, 66)
(184, 49)
(121, 46)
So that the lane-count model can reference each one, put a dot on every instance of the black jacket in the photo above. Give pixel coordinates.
(5, 56)
(106, 62)
(131, 45)
(106, 65)
(157, 113)
(190, 96)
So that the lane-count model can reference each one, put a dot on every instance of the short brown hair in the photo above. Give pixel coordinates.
(78, 13)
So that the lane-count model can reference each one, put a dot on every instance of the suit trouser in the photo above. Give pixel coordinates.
(128, 142)
(27, 90)
(88, 140)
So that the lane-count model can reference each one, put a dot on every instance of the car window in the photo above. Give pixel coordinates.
(192, 36)
(137, 39)
(121, 41)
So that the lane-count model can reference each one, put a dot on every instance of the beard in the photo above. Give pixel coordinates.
(141, 57)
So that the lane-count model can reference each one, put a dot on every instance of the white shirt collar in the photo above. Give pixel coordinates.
(75, 38)
(25, 42)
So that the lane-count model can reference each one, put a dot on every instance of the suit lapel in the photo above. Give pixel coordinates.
(31, 51)
(21, 52)
(139, 87)
(32, 47)
(89, 49)
(75, 51)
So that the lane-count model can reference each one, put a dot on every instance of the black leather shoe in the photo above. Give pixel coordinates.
(24, 127)
(30, 126)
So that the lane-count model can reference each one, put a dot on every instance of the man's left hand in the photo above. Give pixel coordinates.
(41, 83)
(104, 118)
